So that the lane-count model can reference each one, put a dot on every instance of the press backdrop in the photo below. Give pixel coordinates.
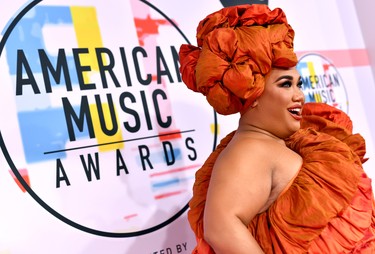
(100, 138)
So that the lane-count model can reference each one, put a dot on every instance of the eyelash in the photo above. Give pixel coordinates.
(286, 84)
(300, 84)
(289, 84)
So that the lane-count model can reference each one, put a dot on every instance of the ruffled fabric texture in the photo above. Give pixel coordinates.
(328, 208)
(237, 47)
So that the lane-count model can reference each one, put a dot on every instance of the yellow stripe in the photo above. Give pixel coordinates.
(88, 35)
(212, 127)
(87, 30)
(310, 66)
(100, 136)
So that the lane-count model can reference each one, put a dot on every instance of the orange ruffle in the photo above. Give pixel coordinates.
(237, 46)
(329, 207)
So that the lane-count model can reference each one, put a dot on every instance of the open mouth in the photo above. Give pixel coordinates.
(295, 111)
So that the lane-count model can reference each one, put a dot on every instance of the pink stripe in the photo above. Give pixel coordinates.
(174, 170)
(343, 57)
(128, 217)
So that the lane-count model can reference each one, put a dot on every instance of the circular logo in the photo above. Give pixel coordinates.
(97, 125)
(227, 3)
(322, 82)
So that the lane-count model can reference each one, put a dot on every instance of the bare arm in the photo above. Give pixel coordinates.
(240, 186)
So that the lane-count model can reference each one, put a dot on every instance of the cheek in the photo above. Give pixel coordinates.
(302, 96)
(275, 100)
(279, 99)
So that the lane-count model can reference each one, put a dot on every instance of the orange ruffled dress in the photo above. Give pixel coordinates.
(328, 207)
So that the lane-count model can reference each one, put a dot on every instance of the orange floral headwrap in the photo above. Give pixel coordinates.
(237, 47)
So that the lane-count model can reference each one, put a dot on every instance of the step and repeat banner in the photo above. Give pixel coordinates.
(100, 138)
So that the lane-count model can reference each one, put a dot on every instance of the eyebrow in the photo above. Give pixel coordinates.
(289, 77)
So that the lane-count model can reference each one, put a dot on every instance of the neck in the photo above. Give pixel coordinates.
(260, 132)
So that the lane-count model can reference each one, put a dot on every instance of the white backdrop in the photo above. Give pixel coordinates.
(139, 206)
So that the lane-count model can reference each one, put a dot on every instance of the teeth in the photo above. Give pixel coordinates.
(295, 110)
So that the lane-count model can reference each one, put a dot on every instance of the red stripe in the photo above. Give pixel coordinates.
(342, 57)
(174, 170)
(25, 175)
(169, 135)
(168, 194)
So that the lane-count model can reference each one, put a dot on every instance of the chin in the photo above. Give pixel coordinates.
(292, 131)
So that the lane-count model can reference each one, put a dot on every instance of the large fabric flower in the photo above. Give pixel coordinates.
(237, 47)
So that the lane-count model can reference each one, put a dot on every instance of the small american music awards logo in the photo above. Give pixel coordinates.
(322, 81)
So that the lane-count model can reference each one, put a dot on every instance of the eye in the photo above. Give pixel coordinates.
(286, 84)
(300, 84)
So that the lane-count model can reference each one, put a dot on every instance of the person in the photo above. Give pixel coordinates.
(289, 179)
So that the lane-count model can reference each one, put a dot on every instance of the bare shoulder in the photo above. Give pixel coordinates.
(242, 172)
(249, 154)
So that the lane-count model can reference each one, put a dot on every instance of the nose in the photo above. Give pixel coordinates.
(299, 95)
